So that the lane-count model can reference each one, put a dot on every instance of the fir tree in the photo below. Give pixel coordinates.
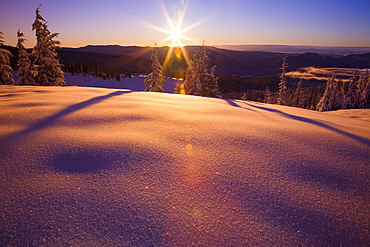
(337, 95)
(282, 85)
(208, 81)
(24, 63)
(298, 95)
(297, 99)
(211, 88)
(364, 90)
(47, 68)
(155, 78)
(351, 99)
(6, 76)
(268, 96)
(326, 101)
(191, 76)
(198, 81)
(312, 101)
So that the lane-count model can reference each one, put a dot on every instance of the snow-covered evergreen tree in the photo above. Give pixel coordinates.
(313, 98)
(211, 88)
(6, 76)
(333, 96)
(326, 101)
(337, 95)
(364, 90)
(208, 81)
(47, 69)
(281, 100)
(24, 63)
(155, 79)
(297, 96)
(198, 81)
(352, 95)
(191, 77)
(268, 96)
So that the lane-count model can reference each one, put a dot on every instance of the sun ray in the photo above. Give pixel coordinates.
(165, 14)
(176, 31)
(168, 57)
(148, 24)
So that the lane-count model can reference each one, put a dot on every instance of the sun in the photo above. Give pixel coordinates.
(175, 29)
(175, 35)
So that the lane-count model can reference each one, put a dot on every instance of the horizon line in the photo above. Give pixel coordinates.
(182, 45)
(217, 45)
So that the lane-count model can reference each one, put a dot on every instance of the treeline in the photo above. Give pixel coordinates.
(338, 94)
(305, 97)
(301, 97)
(234, 87)
(334, 95)
(87, 69)
(353, 94)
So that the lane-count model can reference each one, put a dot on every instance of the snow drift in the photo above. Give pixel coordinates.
(113, 167)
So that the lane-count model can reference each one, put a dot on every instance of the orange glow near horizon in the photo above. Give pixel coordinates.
(175, 32)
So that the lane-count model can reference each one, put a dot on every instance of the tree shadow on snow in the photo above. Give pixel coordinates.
(47, 122)
(79, 160)
(97, 159)
(312, 227)
(308, 120)
(334, 179)
(232, 103)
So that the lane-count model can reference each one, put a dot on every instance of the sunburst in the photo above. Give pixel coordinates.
(176, 36)
(175, 31)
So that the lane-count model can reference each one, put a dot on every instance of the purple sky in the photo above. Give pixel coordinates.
(129, 22)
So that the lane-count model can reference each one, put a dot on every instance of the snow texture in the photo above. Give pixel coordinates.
(113, 167)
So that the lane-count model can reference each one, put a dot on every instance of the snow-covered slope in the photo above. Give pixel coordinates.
(112, 167)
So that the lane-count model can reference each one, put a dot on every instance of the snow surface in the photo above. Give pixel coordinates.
(112, 167)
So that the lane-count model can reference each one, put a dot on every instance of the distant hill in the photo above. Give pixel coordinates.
(253, 66)
(333, 50)
(229, 62)
(120, 63)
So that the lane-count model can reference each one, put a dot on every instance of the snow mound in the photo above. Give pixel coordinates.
(114, 167)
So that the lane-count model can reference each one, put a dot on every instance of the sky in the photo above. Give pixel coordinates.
(217, 22)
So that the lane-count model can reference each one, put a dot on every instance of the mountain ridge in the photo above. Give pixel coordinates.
(229, 62)
(333, 50)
